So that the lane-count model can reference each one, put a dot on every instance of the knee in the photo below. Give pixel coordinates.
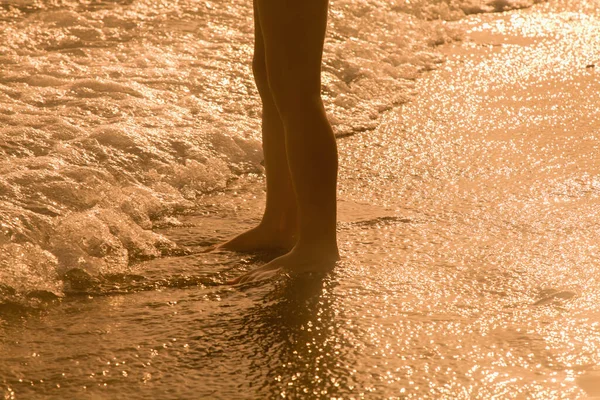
(294, 97)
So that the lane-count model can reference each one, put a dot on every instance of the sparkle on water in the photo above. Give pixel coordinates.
(468, 215)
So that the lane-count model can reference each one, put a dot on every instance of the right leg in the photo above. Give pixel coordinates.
(278, 226)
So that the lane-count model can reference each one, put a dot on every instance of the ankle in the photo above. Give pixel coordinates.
(279, 226)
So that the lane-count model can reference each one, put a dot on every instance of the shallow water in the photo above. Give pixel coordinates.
(468, 216)
(116, 115)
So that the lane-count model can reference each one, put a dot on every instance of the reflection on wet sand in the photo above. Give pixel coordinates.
(297, 347)
(468, 223)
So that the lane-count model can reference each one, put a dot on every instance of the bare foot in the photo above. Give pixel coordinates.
(259, 238)
(296, 261)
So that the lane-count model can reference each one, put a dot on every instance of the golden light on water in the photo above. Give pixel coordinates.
(468, 205)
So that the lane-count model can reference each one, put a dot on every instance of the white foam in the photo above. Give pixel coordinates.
(27, 268)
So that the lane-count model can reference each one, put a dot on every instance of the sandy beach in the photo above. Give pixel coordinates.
(468, 226)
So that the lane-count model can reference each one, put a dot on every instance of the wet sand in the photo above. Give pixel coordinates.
(473, 210)
(469, 235)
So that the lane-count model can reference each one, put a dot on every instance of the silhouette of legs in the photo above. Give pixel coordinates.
(277, 230)
(301, 163)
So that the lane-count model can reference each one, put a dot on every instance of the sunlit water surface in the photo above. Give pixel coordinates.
(468, 215)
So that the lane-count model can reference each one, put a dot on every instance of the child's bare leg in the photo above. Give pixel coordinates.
(294, 31)
(279, 223)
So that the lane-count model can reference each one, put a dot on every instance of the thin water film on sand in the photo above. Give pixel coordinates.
(468, 216)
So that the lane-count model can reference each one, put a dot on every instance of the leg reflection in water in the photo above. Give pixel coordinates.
(296, 341)
(298, 142)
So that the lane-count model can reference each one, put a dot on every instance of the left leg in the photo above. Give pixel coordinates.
(277, 229)
(294, 32)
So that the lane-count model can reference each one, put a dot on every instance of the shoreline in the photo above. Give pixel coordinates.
(468, 226)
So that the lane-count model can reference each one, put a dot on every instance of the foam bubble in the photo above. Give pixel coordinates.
(83, 241)
(27, 268)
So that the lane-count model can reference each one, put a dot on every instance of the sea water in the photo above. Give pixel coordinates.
(129, 142)
(116, 115)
